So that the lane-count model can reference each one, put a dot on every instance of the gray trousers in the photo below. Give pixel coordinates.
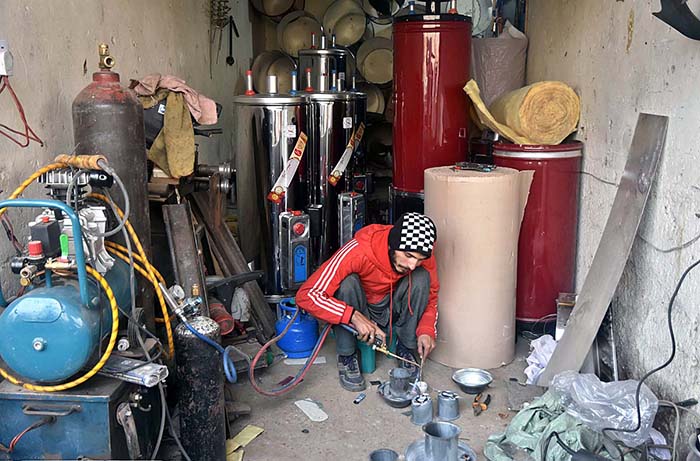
(404, 322)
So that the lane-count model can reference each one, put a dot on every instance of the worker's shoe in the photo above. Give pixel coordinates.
(349, 373)
(406, 353)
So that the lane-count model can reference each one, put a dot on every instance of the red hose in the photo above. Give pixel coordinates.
(299, 378)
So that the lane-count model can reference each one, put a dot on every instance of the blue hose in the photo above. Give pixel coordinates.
(229, 367)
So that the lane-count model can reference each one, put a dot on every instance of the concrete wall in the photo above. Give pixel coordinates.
(54, 44)
(623, 61)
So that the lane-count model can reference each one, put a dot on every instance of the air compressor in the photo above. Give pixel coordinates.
(61, 328)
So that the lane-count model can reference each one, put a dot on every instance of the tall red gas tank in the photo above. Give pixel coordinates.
(431, 66)
(547, 246)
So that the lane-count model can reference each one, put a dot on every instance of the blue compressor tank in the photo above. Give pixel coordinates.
(301, 336)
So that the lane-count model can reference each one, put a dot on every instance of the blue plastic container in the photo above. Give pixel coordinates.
(301, 337)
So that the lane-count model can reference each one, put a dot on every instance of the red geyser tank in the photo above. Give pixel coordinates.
(547, 246)
(431, 66)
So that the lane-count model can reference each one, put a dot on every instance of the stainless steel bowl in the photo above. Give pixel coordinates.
(472, 380)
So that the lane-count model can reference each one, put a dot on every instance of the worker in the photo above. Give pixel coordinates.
(383, 280)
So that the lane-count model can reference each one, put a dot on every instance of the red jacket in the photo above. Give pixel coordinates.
(367, 255)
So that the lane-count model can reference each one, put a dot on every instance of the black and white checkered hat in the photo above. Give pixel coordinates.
(413, 232)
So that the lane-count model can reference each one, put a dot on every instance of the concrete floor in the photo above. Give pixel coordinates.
(352, 431)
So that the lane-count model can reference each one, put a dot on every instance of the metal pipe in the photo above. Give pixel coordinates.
(272, 84)
(249, 91)
(323, 42)
(77, 235)
(309, 86)
(334, 80)
(313, 40)
(295, 83)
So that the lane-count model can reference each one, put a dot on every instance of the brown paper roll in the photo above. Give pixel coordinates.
(478, 218)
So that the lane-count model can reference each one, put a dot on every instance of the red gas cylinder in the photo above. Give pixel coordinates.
(547, 247)
(431, 66)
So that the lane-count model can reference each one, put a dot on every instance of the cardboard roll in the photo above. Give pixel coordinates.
(272, 63)
(272, 7)
(375, 97)
(346, 19)
(375, 60)
(317, 8)
(294, 32)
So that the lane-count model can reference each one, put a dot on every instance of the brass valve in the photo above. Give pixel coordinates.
(106, 60)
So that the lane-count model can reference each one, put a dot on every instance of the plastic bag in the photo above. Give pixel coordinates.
(600, 405)
(498, 64)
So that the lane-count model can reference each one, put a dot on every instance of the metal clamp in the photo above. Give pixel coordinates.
(50, 410)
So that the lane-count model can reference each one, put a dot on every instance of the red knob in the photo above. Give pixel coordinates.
(299, 228)
(35, 248)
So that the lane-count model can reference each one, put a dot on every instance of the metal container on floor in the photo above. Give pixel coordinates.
(431, 66)
(325, 59)
(547, 245)
(335, 117)
(200, 390)
(268, 127)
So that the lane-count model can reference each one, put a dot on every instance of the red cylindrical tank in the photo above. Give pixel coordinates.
(547, 247)
(431, 66)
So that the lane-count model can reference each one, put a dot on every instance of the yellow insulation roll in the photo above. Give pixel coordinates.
(541, 113)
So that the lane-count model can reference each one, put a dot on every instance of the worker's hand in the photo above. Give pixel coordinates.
(426, 344)
(367, 330)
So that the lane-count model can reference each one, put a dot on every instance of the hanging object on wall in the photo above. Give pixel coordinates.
(678, 15)
(272, 63)
(381, 11)
(295, 30)
(317, 8)
(219, 11)
(346, 20)
(375, 60)
(272, 7)
(28, 134)
(375, 97)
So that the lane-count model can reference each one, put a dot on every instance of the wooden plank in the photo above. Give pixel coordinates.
(234, 261)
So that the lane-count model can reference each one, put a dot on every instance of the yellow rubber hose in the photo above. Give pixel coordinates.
(147, 276)
(125, 251)
(110, 346)
(139, 248)
(27, 182)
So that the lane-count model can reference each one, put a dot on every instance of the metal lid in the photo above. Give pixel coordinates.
(432, 17)
(324, 51)
(335, 95)
(266, 99)
(568, 150)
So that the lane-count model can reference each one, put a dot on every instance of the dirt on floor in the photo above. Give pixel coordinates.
(353, 431)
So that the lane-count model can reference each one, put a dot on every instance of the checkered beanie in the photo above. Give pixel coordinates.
(413, 232)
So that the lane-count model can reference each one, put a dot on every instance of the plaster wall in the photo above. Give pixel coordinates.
(622, 61)
(54, 44)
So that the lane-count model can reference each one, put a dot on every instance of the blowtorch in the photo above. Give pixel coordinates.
(379, 345)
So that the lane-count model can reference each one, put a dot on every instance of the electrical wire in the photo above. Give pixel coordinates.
(663, 365)
(682, 246)
(682, 408)
(28, 134)
(604, 181)
(31, 427)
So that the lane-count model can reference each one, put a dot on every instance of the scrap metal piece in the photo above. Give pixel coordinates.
(614, 248)
(184, 249)
(676, 14)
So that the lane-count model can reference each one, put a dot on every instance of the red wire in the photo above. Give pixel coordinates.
(28, 133)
